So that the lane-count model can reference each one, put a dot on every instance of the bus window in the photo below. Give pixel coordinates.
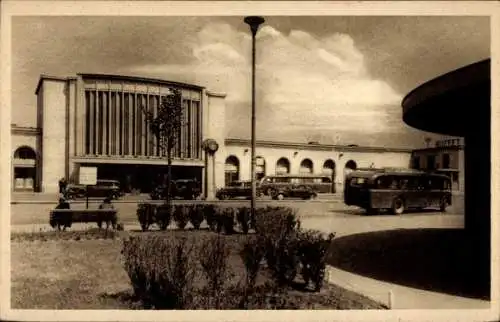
(326, 180)
(358, 181)
(281, 180)
(294, 180)
(385, 182)
(307, 180)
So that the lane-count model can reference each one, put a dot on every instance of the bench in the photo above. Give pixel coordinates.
(66, 217)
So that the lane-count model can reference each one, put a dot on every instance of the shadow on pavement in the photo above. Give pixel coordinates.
(362, 212)
(438, 260)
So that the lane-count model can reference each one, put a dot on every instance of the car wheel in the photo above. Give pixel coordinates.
(280, 196)
(398, 206)
(222, 196)
(313, 196)
(269, 192)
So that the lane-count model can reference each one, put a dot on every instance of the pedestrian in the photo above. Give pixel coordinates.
(63, 203)
(62, 186)
(107, 205)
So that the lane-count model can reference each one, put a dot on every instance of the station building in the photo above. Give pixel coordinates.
(447, 157)
(98, 120)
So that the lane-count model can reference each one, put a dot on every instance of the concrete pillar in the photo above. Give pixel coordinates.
(54, 145)
(214, 115)
(477, 154)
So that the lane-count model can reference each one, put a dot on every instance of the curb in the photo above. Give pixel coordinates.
(396, 296)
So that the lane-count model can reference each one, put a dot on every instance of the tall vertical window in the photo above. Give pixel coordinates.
(415, 162)
(446, 161)
(431, 162)
(115, 125)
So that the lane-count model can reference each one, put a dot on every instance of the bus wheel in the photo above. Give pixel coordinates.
(443, 204)
(398, 206)
(371, 211)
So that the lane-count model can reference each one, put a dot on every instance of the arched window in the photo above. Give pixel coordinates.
(232, 169)
(329, 167)
(260, 168)
(25, 152)
(329, 170)
(306, 166)
(283, 166)
(350, 166)
(24, 169)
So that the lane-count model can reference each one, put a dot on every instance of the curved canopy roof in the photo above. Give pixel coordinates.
(451, 103)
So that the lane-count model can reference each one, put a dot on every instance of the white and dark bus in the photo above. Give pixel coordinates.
(396, 190)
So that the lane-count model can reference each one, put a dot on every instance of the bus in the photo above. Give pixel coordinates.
(318, 183)
(396, 190)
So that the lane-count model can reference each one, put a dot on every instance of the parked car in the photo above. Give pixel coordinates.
(183, 188)
(293, 191)
(103, 188)
(237, 189)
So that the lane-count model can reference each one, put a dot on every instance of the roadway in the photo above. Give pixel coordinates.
(328, 213)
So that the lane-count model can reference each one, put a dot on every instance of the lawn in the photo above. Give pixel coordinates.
(65, 273)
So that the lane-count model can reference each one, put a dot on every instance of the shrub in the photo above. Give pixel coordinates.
(312, 248)
(209, 212)
(277, 227)
(163, 216)
(196, 215)
(226, 220)
(252, 253)
(275, 222)
(181, 216)
(145, 215)
(214, 263)
(243, 218)
(161, 271)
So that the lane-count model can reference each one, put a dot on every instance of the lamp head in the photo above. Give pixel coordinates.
(254, 22)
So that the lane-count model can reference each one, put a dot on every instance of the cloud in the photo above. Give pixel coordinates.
(303, 81)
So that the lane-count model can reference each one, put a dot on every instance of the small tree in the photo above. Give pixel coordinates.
(166, 127)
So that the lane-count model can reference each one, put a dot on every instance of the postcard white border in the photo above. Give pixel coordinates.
(243, 8)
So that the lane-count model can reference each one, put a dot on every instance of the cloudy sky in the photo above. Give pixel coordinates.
(331, 79)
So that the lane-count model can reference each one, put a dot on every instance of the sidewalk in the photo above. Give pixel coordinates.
(400, 297)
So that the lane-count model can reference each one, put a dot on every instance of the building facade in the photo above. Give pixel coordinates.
(298, 158)
(99, 120)
(446, 156)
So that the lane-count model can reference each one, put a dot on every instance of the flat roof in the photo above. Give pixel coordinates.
(140, 79)
(121, 78)
(315, 146)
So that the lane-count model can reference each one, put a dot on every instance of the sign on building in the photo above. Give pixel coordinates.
(88, 176)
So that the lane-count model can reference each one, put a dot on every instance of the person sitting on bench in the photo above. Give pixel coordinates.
(63, 203)
(106, 204)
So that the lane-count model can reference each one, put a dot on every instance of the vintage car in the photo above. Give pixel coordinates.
(182, 188)
(103, 188)
(293, 191)
(237, 189)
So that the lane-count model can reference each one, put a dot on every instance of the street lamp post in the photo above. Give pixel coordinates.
(254, 22)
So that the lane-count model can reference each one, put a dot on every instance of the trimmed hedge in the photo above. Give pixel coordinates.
(279, 240)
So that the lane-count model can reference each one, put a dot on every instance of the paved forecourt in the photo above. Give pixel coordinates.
(328, 214)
